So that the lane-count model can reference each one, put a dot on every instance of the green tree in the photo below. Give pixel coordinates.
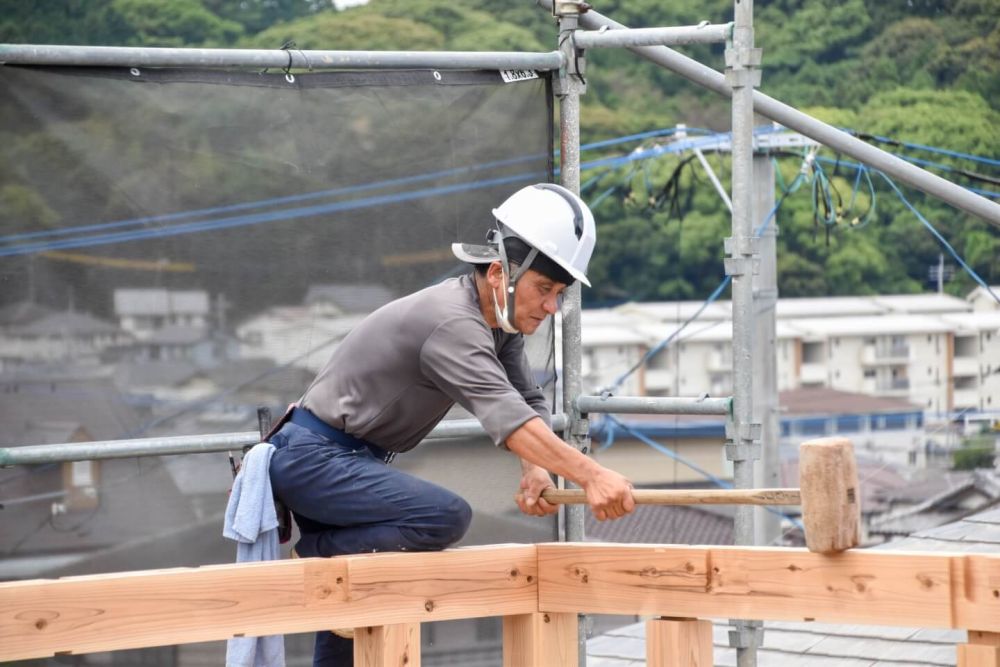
(175, 23)
(976, 452)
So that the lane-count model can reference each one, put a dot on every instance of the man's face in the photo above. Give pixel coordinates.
(535, 298)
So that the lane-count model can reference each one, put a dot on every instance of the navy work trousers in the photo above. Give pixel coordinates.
(346, 501)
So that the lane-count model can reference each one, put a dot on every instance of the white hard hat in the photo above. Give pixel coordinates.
(547, 217)
(555, 221)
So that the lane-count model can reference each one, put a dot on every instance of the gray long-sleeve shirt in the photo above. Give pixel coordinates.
(396, 375)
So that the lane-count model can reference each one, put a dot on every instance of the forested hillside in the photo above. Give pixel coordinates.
(923, 73)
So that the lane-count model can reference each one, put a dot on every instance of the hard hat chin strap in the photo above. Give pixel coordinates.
(505, 317)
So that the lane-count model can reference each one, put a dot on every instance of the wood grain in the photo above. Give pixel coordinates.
(873, 587)
(107, 612)
(540, 640)
(387, 646)
(678, 642)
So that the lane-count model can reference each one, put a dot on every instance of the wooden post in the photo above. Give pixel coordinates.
(983, 650)
(678, 642)
(395, 645)
(540, 640)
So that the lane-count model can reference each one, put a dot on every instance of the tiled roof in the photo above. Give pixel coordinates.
(62, 324)
(826, 401)
(668, 524)
(22, 312)
(350, 298)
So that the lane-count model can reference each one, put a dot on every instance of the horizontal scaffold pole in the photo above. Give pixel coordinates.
(654, 405)
(192, 444)
(805, 124)
(698, 34)
(128, 56)
(41, 618)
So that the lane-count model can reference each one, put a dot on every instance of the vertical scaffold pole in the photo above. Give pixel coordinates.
(569, 86)
(765, 375)
(743, 436)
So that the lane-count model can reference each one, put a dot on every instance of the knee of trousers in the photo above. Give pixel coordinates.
(451, 525)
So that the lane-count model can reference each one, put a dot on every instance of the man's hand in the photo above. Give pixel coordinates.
(533, 482)
(609, 494)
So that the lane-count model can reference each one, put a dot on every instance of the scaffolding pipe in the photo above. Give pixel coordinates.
(678, 36)
(654, 405)
(794, 119)
(192, 444)
(568, 88)
(742, 256)
(743, 436)
(128, 56)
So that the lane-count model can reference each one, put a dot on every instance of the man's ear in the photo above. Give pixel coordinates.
(494, 274)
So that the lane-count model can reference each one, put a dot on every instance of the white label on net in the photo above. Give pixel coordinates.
(512, 75)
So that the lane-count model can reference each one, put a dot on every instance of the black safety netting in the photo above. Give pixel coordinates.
(179, 248)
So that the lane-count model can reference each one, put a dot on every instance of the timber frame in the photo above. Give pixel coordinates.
(538, 589)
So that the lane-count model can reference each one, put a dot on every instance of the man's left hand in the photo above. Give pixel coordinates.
(533, 482)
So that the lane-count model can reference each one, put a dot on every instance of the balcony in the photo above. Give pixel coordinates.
(720, 361)
(658, 379)
(893, 387)
(885, 355)
(537, 589)
(965, 366)
(965, 398)
(813, 374)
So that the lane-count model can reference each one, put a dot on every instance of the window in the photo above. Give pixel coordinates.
(869, 372)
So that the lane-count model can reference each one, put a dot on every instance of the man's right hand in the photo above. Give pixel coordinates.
(609, 494)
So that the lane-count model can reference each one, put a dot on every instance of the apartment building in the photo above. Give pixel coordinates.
(936, 351)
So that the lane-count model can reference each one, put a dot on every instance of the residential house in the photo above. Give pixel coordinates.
(305, 336)
(982, 300)
(144, 311)
(59, 336)
(336, 299)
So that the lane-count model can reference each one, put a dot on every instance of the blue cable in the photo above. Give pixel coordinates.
(796, 183)
(930, 149)
(264, 203)
(941, 239)
(258, 218)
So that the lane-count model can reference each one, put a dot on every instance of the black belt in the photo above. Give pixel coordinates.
(306, 419)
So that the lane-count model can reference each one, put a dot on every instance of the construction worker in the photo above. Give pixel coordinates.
(393, 378)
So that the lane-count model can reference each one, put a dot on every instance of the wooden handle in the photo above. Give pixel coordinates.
(688, 496)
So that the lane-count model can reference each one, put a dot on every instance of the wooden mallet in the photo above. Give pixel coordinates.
(828, 493)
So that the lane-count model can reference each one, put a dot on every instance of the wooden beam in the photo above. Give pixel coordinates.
(678, 642)
(983, 650)
(41, 618)
(540, 640)
(874, 587)
(387, 646)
